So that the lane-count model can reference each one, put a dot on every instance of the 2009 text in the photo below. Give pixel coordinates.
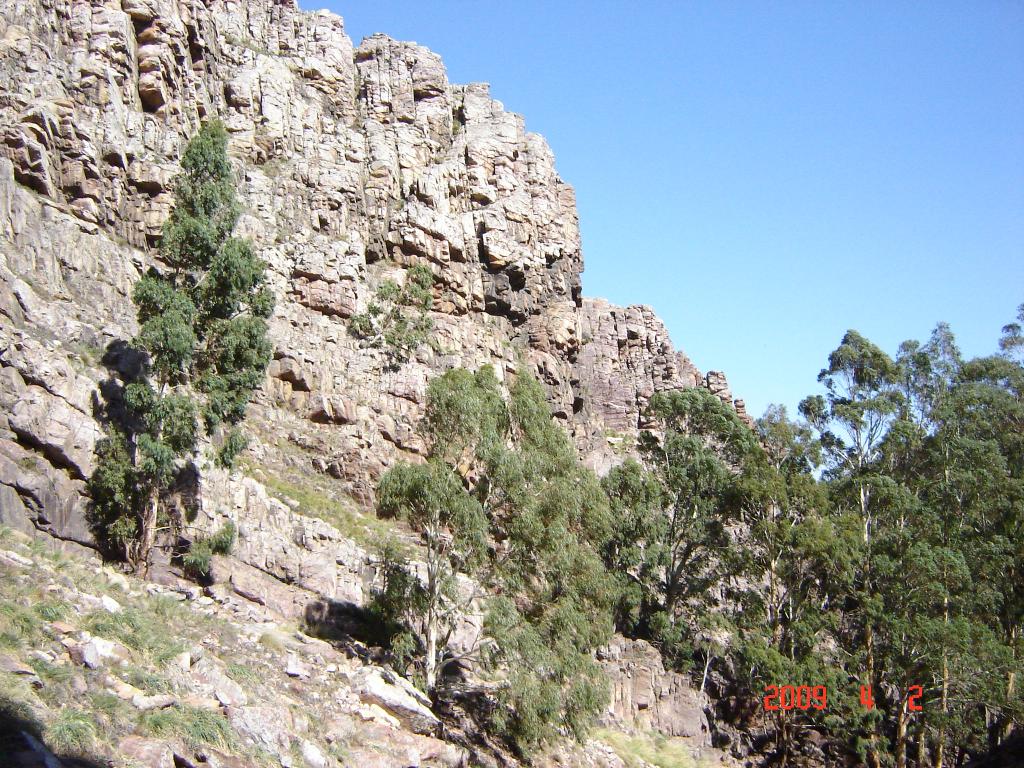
(787, 697)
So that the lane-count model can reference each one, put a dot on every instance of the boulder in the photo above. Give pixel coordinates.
(397, 696)
(152, 753)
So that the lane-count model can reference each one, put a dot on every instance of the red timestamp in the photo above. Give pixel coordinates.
(787, 697)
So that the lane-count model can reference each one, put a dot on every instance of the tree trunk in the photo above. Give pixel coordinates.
(901, 735)
(430, 666)
(707, 663)
(1007, 729)
(940, 736)
(869, 644)
(147, 536)
(921, 747)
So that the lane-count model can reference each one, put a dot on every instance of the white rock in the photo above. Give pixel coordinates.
(110, 604)
(296, 667)
(312, 755)
(377, 686)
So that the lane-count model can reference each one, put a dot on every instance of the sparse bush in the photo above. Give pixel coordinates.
(197, 560)
(234, 443)
(224, 539)
(397, 320)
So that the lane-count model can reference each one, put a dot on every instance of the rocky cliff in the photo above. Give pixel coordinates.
(354, 163)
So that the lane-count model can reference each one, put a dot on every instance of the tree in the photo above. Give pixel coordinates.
(464, 413)
(673, 541)
(1012, 342)
(397, 320)
(202, 329)
(635, 551)
(502, 498)
(550, 521)
(853, 419)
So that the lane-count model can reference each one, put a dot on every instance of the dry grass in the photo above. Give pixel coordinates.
(648, 749)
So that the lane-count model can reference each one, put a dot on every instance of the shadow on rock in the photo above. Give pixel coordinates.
(352, 628)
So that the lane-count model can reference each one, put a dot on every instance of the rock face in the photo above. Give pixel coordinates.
(646, 697)
(353, 164)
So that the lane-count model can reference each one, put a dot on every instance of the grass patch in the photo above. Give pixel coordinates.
(72, 732)
(196, 727)
(146, 681)
(166, 608)
(650, 749)
(50, 673)
(112, 713)
(52, 610)
(19, 626)
(366, 530)
(273, 640)
(138, 630)
(243, 674)
(16, 703)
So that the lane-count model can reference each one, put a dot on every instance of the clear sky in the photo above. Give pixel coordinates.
(767, 175)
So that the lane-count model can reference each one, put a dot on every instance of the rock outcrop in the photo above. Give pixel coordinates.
(354, 163)
(647, 697)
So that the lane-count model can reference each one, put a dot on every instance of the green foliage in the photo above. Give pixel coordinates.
(72, 732)
(398, 605)
(234, 443)
(202, 327)
(504, 499)
(196, 727)
(671, 543)
(397, 320)
(197, 560)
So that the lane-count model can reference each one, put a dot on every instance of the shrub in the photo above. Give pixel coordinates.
(72, 732)
(196, 561)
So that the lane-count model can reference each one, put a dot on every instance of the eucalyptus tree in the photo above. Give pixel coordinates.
(853, 418)
(503, 498)
(465, 415)
(202, 331)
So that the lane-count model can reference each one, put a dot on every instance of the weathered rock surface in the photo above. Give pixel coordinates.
(398, 697)
(354, 164)
(646, 697)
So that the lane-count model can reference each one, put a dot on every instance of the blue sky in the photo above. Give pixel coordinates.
(767, 175)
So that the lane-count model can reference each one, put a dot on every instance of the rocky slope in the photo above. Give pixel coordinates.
(354, 163)
(88, 669)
